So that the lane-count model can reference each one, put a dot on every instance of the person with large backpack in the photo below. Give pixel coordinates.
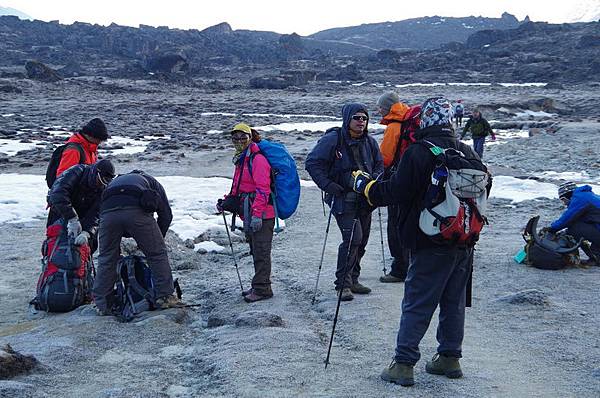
(341, 151)
(67, 275)
(251, 199)
(80, 148)
(401, 123)
(127, 210)
(582, 216)
(442, 188)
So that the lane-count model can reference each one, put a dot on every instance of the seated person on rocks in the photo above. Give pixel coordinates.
(127, 209)
(75, 197)
(251, 191)
(582, 217)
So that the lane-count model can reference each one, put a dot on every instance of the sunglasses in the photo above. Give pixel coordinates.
(240, 137)
(360, 117)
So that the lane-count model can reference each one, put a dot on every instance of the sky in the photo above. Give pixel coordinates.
(303, 17)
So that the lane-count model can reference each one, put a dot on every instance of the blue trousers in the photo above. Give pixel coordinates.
(478, 145)
(436, 276)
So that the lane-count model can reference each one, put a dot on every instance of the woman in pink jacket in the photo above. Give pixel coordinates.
(250, 198)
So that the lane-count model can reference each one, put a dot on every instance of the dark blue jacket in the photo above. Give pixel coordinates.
(332, 160)
(584, 206)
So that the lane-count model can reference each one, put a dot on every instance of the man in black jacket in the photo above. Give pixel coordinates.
(438, 273)
(127, 209)
(330, 164)
(75, 197)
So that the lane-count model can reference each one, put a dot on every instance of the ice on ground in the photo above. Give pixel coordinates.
(130, 145)
(502, 137)
(22, 197)
(523, 84)
(575, 176)
(208, 246)
(157, 137)
(518, 190)
(11, 147)
(211, 132)
(310, 126)
(8, 115)
(217, 114)
(307, 183)
(288, 116)
(59, 133)
(535, 114)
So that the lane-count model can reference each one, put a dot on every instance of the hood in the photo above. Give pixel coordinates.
(348, 110)
(398, 113)
(583, 188)
(80, 139)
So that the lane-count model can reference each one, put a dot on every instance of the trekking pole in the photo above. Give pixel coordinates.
(322, 254)
(382, 249)
(323, 203)
(337, 309)
(232, 252)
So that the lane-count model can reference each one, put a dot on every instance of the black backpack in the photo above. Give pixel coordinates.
(57, 156)
(545, 250)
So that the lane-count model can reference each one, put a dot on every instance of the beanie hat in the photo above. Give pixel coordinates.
(243, 127)
(386, 100)
(566, 189)
(436, 112)
(105, 170)
(97, 129)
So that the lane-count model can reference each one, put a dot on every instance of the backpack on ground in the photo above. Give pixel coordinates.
(67, 272)
(134, 289)
(57, 156)
(545, 250)
(285, 182)
(454, 207)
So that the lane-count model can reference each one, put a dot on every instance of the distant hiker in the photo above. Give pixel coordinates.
(479, 128)
(75, 197)
(82, 147)
(439, 265)
(582, 217)
(250, 198)
(330, 164)
(127, 210)
(396, 117)
(459, 110)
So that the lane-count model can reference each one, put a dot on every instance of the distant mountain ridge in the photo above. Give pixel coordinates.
(417, 33)
(12, 11)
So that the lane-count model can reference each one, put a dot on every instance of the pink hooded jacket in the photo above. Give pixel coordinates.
(259, 182)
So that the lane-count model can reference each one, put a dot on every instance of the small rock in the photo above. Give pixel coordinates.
(13, 363)
(259, 319)
(529, 296)
(214, 321)
(26, 164)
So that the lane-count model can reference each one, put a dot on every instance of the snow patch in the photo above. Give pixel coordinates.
(11, 147)
(208, 246)
(519, 190)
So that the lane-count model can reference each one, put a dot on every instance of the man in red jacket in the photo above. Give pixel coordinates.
(88, 139)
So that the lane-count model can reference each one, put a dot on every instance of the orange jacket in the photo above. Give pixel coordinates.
(391, 135)
(70, 156)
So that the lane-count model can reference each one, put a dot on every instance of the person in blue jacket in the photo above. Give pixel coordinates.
(582, 217)
(330, 164)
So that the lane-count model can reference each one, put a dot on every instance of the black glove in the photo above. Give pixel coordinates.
(220, 206)
(334, 189)
(361, 180)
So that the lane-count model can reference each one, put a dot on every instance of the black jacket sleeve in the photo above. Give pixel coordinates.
(65, 185)
(165, 215)
(320, 161)
(408, 182)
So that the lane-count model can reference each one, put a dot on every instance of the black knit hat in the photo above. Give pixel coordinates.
(105, 170)
(96, 128)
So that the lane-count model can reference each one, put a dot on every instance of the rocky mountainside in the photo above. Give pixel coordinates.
(416, 33)
(529, 52)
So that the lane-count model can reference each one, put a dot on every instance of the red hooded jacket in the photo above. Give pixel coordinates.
(70, 156)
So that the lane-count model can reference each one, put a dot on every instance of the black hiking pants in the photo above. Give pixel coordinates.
(141, 226)
(260, 248)
(588, 232)
(436, 277)
(399, 266)
(350, 265)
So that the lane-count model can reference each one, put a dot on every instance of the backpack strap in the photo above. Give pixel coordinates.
(79, 148)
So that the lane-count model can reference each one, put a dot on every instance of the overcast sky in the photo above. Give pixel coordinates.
(301, 16)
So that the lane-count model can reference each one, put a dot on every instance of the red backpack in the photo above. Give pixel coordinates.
(409, 127)
(67, 272)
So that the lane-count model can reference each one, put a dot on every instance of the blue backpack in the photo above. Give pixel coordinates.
(285, 183)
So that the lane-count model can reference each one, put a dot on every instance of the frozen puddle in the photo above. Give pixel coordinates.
(11, 147)
(518, 190)
(502, 137)
(130, 145)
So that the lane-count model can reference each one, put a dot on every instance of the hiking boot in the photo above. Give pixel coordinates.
(246, 292)
(170, 301)
(253, 297)
(399, 373)
(389, 278)
(346, 294)
(443, 365)
(359, 288)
